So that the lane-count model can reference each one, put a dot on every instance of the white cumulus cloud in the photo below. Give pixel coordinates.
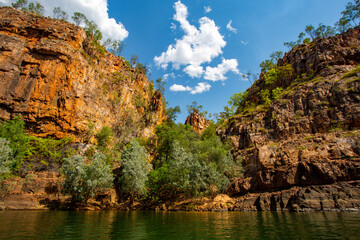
(218, 73)
(95, 10)
(200, 88)
(207, 9)
(230, 28)
(180, 88)
(197, 46)
(194, 71)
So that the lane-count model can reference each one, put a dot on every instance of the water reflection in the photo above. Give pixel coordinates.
(170, 225)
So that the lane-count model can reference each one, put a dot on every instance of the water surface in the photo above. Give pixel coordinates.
(178, 225)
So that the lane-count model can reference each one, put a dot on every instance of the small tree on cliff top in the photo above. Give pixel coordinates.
(20, 4)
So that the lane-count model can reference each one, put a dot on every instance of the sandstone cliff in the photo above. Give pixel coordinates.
(64, 85)
(310, 136)
(197, 121)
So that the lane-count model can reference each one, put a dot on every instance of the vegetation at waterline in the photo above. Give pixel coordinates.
(83, 181)
(189, 163)
(183, 162)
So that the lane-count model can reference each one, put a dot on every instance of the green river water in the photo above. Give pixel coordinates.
(178, 225)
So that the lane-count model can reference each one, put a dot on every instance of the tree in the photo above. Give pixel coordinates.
(352, 11)
(114, 46)
(60, 14)
(103, 137)
(134, 169)
(173, 113)
(330, 31)
(134, 60)
(83, 181)
(36, 8)
(160, 85)
(79, 18)
(276, 55)
(267, 65)
(342, 25)
(194, 107)
(235, 101)
(92, 29)
(5, 159)
(14, 132)
(20, 4)
(310, 30)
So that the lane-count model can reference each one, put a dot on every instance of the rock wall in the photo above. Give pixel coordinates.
(197, 121)
(310, 136)
(65, 85)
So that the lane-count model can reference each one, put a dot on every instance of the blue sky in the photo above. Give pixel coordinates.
(262, 27)
(205, 45)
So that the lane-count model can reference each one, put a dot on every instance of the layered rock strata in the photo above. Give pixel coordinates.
(65, 84)
(310, 136)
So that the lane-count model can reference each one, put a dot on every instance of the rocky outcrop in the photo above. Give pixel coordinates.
(65, 84)
(197, 121)
(308, 137)
(42, 190)
(343, 196)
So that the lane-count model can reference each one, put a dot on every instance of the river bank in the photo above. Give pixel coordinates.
(42, 191)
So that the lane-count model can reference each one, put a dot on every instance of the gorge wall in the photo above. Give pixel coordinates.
(308, 137)
(299, 152)
(63, 84)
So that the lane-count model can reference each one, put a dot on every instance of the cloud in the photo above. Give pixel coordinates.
(197, 46)
(95, 10)
(200, 88)
(194, 71)
(207, 9)
(230, 28)
(173, 27)
(180, 88)
(244, 43)
(169, 75)
(218, 73)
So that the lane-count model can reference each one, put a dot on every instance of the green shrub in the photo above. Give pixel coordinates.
(5, 159)
(265, 96)
(134, 169)
(190, 163)
(277, 93)
(104, 136)
(83, 181)
(139, 100)
(14, 132)
(159, 185)
(32, 149)
(271, 76)
(195, 173)
(285, 72)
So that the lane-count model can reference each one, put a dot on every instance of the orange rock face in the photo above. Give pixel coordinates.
(53, 75)
(197, 121)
